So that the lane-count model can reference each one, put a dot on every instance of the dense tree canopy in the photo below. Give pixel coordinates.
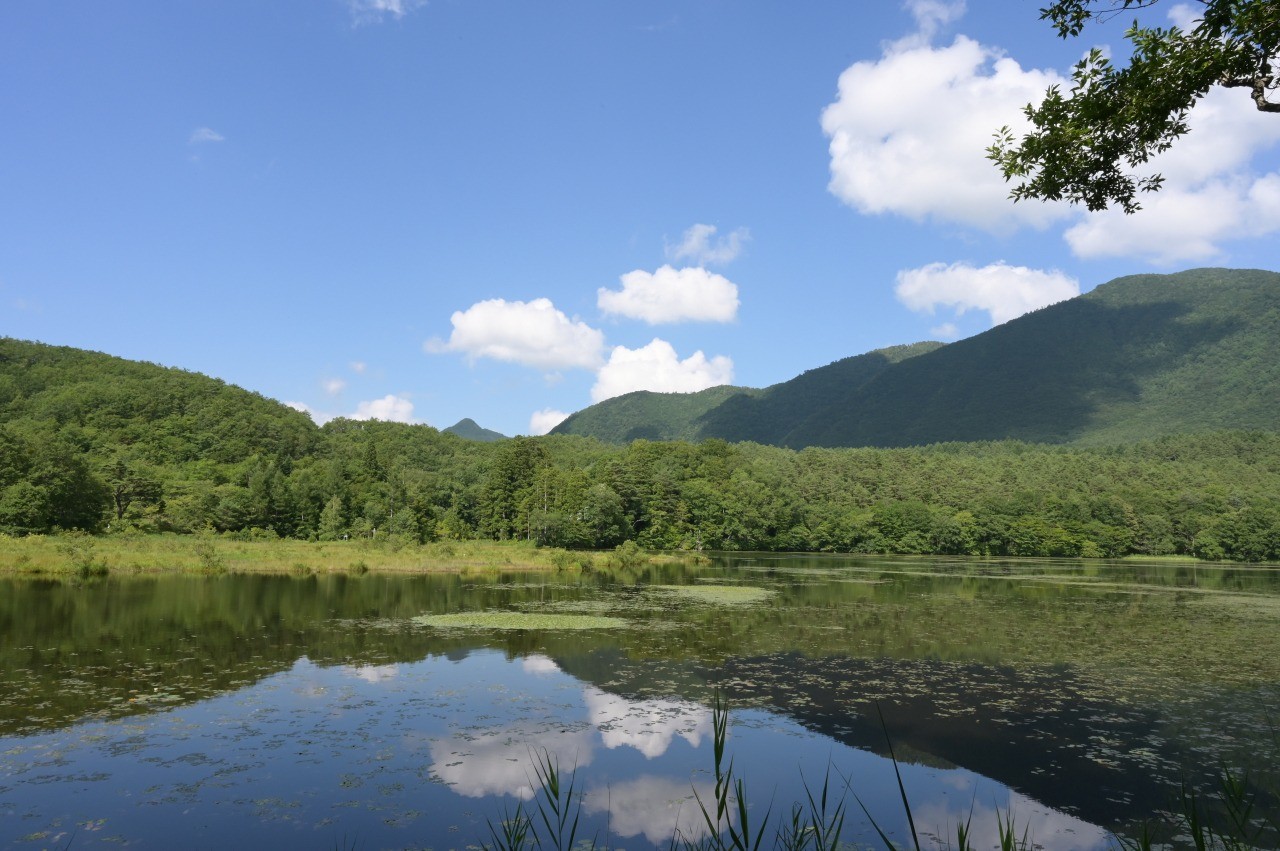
(74, 455)
(1084, 145)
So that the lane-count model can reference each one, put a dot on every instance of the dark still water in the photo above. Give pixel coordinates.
(405, 712)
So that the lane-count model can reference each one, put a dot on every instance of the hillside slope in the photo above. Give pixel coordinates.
(735, 414)
(1140, 356)
(651, 416)
(106, 404)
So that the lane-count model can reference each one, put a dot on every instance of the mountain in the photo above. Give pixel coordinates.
(651, 416)
(1140, 356)
(469, 429)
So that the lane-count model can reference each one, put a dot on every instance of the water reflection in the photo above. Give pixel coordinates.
(656, 808)
(646, 725)
(272, 711)
(1047, 828)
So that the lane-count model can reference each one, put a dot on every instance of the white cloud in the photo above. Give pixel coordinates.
(657, 367)
(697, 246)
(1184, 16)
(316, 417)
(945, 331)
(649, 726)
(1180, 225)
(373, 11)
(204, 134)
(499, 761)
(1053, 830)
(661, 808)
(390, 408)
(358, 367)
(1210, 195)
(539, 665)
(672, 295)
(1004, 291)
(531, 333)
(334, 386)
(932, 15)
(371, 673)
(909, 132)
(541, 422)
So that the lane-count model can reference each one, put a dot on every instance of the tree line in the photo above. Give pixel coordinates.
(1214, 495)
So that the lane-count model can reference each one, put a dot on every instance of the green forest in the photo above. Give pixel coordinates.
(1138, 357)
(101, 444)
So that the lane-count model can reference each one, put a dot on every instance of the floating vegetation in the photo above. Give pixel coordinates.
(520, 620)
(718, 595)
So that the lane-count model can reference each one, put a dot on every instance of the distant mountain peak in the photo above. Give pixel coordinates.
(469, 429)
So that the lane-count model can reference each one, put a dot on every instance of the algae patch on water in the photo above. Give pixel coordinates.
(717, 595)
(519, 620)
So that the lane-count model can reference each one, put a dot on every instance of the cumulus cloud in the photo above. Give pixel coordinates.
(541, 422)
(203, 134)
(317, 417)
(479, 763)
(909, 131)
(539, 665)
(1184, 16)
(1211, 194)
(657, 367)
(358, 367)
(698, 246)
(933, 15)
(334, 386)
(672, 295)
(390, 408)
(373, 11)
(658, 807)
(649, 726)
(1005, 292)
(532, 333)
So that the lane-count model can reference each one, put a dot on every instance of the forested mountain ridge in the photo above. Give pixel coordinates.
(105, 404)
(1140, 356)
(88, 441)
(731, 413)
(647, 415)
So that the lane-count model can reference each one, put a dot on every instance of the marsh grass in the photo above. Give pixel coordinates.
(554, 821)
(76, 553)
(1231, 822)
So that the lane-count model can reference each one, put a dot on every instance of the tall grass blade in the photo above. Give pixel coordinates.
(902, 789)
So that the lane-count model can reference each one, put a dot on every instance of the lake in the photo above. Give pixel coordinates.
(351, 711)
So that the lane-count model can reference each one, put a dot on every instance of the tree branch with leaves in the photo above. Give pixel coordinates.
(1084, 145)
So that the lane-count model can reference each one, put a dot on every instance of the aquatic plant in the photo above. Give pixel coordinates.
(559, 808)
(718, 595)
(817, 823)
(519, 620)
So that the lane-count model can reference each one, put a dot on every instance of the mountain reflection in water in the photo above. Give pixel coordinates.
(286, 712)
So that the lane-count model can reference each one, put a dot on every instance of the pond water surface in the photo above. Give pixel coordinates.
(343, 711)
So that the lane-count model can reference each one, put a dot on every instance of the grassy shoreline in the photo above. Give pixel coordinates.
(75, 553)
(87, 555)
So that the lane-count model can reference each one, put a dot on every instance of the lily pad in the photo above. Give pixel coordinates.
(718, 595)
(519, 620)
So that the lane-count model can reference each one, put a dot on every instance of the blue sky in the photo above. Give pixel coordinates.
(502, 210)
